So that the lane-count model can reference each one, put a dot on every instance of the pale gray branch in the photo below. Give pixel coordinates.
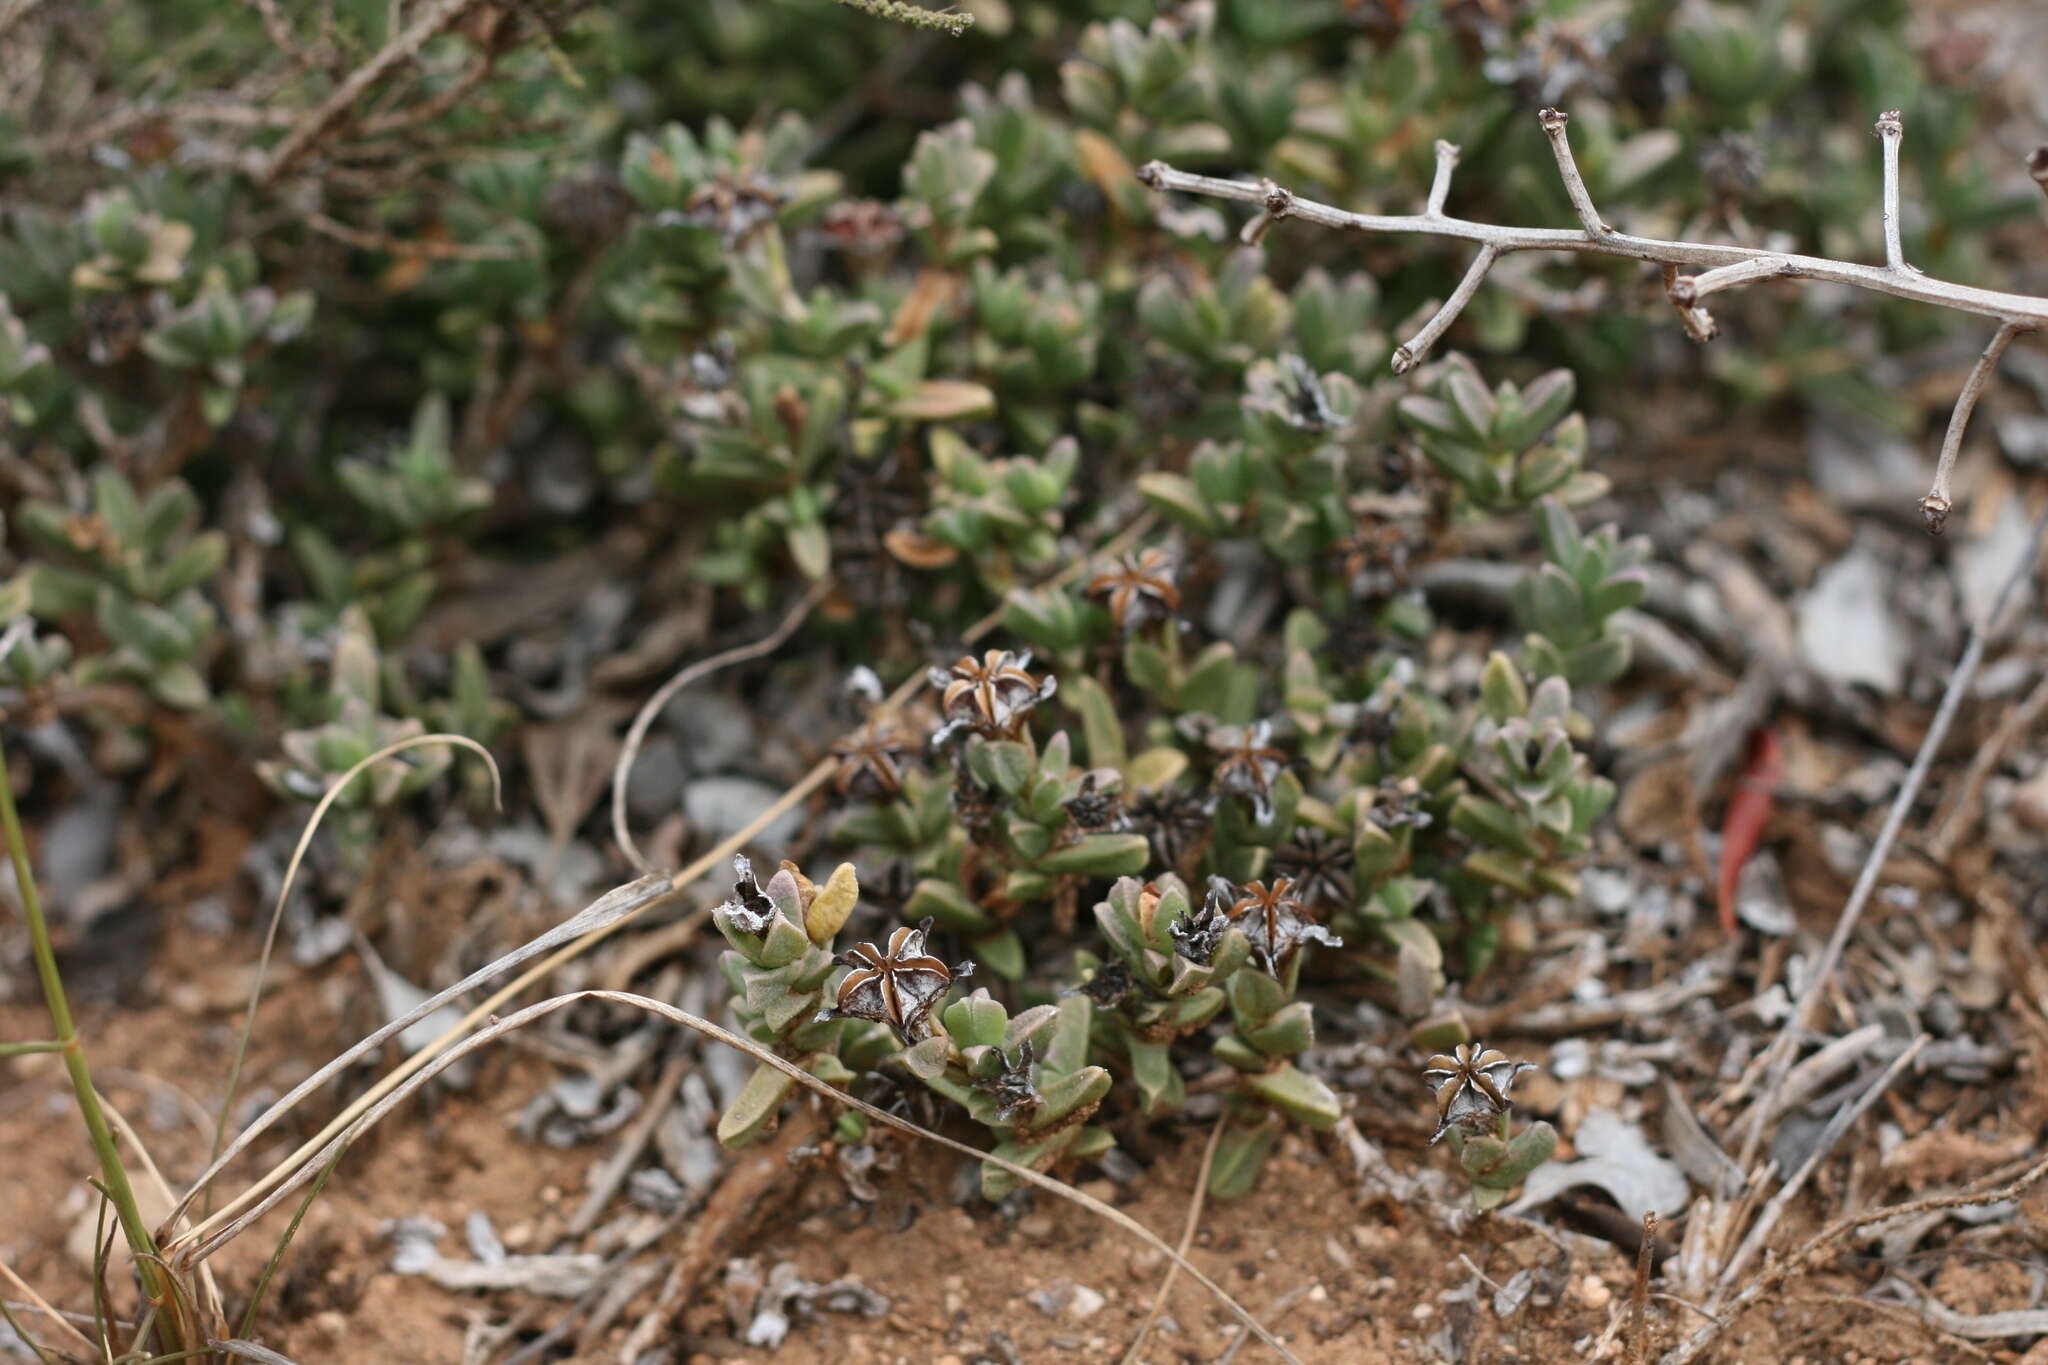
(1890, 129)
(1937, 504)
(1719, 266)
(1554, 121)
(1687, 290)
(1440, 187)
(1408, 355)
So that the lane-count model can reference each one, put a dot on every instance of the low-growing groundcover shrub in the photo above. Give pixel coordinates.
(307, 326)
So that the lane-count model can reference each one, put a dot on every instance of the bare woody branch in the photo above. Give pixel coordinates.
(1937, 504)
(1440, 187)
(426, 26)
(1410, 353)
(1718, 266)
(1553, 122)
(1890, 129)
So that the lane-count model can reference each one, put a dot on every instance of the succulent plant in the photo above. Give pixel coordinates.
(1471, 1084)
(1504, 449)
(136, 566)
(780, 967)
(1568, 604)
(1026, 1078)
(352, 725)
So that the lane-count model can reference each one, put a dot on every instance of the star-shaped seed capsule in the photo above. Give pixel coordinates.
(990, 695)
(871, 761)
(899, 985)
(1138, 590)
(1276, 921)
(1471, 1087)
(1247, 765)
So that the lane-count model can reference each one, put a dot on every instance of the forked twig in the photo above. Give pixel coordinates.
(1936, 505)
(1719, 266)
(426, 26)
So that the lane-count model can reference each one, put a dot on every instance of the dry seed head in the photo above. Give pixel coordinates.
(1471, 1086)
(899, 985)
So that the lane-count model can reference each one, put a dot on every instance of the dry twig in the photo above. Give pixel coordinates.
(426, 26)
(1776, 1273)
(1719, 266)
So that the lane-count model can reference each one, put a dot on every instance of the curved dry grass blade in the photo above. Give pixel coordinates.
(1194, 1220)
(542, 1009)
(607, 911)
(636, 735)
(163, 1187)
(284, 891)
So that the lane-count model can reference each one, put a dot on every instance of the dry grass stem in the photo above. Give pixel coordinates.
(1782, 1047)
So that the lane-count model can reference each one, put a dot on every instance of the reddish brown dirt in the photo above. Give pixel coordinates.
(1361, 1282)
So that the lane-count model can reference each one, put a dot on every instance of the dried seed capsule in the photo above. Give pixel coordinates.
(1471, 1087)
(898, 986)
(1248, 765)
(871, 761)
(749, 908)
(990, 695)
(1139, 590)
(1276, 922)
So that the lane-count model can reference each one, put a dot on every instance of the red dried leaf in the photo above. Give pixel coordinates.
(1749, 810)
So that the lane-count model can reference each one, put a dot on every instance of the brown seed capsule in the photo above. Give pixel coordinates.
(990, 695)
(1319, 864)
(1275, 921)
(1139, 590)
(898, 986)
(1097, 805)
(871, 761)
(1178, 823)
(1471, 1087)
(1248, 765)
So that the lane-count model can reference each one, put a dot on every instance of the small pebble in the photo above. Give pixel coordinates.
(1594, 1292)
(1086, 1302)
(1423, 1312)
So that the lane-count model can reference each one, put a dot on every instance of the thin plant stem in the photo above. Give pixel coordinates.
(72, 1048)
(29, 1049)
(284, 1243)
(23, 1337)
